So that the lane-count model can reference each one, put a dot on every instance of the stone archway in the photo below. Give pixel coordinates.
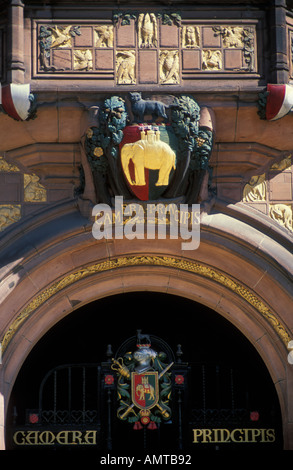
(230, 272)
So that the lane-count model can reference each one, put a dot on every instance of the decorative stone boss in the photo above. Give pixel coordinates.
(149, 149)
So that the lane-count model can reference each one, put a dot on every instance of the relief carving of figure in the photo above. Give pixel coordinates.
(169, 67)
(211, 60)
(147, 30)
(34, 191)
(8, 215)
(104, 36)
(232, 36)
(282, 213)
(61, 36)
(255, 190)
(54, 37)
(125, 66)
(190, 36)
(83, 60)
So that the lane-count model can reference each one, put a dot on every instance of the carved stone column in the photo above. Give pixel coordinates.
(15, 62)
(279, 67)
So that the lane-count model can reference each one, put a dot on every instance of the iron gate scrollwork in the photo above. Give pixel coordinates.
(144, 396)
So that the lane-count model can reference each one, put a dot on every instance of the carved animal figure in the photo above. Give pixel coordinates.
(83, 60)
(8, 215)
(190, 36)
(169, 67)
(282, 213)
(212, 60)
(142, 338)
(142, 390)
(125, 67)
(140, 107)
(147, 30)
(233, 36)
(61, 36)
(155, 155)
(105, 36)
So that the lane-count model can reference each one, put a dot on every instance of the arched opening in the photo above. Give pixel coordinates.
(229, 397)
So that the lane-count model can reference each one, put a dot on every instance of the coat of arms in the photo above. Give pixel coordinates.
(144, 386)
(147, 149)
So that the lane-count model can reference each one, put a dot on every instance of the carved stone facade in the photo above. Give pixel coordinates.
(158, 105)
(122, 48)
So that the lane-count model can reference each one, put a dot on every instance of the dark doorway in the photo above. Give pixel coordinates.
(228, 386)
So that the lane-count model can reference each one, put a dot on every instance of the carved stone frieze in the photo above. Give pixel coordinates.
(149, 47)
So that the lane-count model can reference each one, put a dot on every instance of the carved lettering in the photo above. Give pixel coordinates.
(61, 438)
(239, 436)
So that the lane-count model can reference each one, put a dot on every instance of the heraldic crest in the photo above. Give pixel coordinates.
(143, 385)
(149, 149)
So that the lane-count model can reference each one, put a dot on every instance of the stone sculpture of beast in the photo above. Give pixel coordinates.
(141, 107)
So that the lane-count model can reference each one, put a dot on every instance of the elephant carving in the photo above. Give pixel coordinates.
(151, 154)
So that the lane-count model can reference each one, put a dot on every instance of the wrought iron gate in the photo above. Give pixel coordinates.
(78, 406)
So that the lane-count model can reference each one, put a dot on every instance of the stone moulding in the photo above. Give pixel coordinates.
(148, 260)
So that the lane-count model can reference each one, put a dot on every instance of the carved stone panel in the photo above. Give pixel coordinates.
(73, 48)
(20, 193)
(117, 48)
(272, 192)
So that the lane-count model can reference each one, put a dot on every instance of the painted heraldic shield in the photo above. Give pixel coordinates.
(148, 159)
(145, 389)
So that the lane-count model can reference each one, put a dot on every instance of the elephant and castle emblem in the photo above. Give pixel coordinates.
(149, 149)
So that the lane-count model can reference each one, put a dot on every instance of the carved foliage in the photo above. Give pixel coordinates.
(242, 38)
(54, 37)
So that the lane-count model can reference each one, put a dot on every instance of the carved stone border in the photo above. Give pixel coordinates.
(148, 260)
